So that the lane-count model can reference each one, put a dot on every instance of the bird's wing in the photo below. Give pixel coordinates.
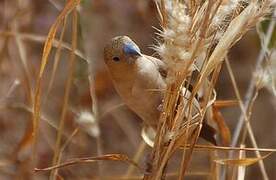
(160, 65)
(207, 132)
(149, 77)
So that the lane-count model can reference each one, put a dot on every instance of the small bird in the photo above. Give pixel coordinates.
(140, 81)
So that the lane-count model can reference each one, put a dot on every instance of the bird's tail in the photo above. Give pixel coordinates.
(208, 133)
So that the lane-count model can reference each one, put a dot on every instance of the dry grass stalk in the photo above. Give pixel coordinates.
(57, 56)
(223, 148)
(42, 39)
(107, 157)
(260, 77)
(27, 84)
(247, 118)
(69, 80)
(252, 92)
(241, 169)
(25, 65)
(46, 51)
(197, 35)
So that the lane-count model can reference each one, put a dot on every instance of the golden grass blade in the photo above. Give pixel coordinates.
(223, 148)
(69, 139)
(70, 5)
(241, 169)
(246, 118)
(27, 139)
(187, 156)
(23, 58)
(107, 157)
(57, 56)
(64, 146)
(186, 160)
(242, 161)
(67, 91)
(193, 41)
(231, 35)
(161, 10)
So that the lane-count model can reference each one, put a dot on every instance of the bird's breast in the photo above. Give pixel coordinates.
(141, 88)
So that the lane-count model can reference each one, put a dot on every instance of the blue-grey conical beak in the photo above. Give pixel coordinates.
(131, 49)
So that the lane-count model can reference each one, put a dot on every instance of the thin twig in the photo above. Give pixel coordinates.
(136, 158)
(23, 58)
(57, 57)
(107, 157)
(67, 91)
(246, 120)
(42, 39)
(223, 148)
(250, 90)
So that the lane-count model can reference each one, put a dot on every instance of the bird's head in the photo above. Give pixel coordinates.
(121, 50)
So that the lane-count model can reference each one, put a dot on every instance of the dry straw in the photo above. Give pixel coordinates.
(196, 37)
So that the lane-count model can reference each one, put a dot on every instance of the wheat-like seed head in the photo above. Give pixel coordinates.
(183, 30)
(196, 37)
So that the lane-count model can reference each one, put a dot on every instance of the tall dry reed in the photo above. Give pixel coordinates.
(195, 39)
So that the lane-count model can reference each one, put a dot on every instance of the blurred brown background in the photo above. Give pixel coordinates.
(24, 25)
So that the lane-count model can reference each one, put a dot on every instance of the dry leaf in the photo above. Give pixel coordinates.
(241, 162)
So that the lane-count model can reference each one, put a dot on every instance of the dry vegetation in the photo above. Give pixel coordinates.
(61, 118)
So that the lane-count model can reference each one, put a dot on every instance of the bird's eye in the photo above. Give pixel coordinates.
(116, 59)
